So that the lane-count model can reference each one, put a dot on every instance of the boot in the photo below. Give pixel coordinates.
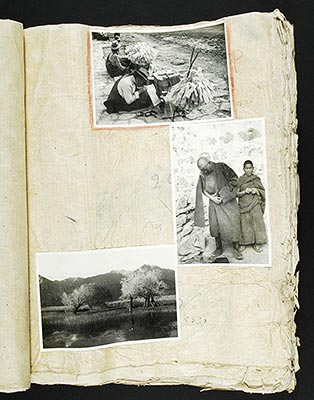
(218, 251)
(257, 248)
(236, 251)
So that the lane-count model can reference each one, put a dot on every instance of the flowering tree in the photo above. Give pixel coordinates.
(144, 284)
(79, 297)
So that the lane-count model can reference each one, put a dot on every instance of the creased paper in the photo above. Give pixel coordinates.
(14, 310)
(237, 325)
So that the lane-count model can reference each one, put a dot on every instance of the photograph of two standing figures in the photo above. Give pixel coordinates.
(220, 193)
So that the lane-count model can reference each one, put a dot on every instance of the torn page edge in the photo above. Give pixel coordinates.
(284, 31)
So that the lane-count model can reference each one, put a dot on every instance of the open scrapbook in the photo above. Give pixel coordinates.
(149, 195)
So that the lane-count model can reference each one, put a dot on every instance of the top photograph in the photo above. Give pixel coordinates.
(160, 76)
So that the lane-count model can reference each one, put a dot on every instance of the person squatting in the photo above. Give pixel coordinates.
(130, 91)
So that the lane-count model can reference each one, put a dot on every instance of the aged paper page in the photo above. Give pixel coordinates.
(96, 188)
(14, 311)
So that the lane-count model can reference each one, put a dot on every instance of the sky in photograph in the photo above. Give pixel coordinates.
(58, 266)
(205, 26)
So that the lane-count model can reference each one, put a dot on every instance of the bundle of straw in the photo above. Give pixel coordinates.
(192, 91)
(141, 53)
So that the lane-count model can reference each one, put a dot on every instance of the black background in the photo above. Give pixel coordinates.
(117, 12)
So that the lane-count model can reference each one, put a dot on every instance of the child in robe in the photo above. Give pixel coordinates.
(251, 200)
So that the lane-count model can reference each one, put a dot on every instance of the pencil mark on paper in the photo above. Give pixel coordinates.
(70, 218)
(155, 178)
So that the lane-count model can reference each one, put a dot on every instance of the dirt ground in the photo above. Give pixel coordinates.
(174, 52)
(188, 253)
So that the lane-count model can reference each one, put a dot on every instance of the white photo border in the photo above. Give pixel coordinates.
(126, 343)
(155, 29)
(268, 225)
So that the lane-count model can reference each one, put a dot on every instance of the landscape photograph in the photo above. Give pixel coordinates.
(97, 298)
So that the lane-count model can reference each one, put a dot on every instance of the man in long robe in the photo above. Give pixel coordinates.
(218, 182)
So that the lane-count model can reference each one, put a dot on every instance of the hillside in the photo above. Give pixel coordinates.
(108, 285)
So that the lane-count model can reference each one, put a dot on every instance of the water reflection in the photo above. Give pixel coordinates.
(89, 330)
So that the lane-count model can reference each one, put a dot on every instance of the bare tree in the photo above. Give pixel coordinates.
(79, 297)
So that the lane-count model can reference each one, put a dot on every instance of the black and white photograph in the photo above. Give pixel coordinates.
(102, 297)
(160, 76)
(220, 193)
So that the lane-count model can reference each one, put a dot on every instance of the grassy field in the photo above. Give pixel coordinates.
(115, 323)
